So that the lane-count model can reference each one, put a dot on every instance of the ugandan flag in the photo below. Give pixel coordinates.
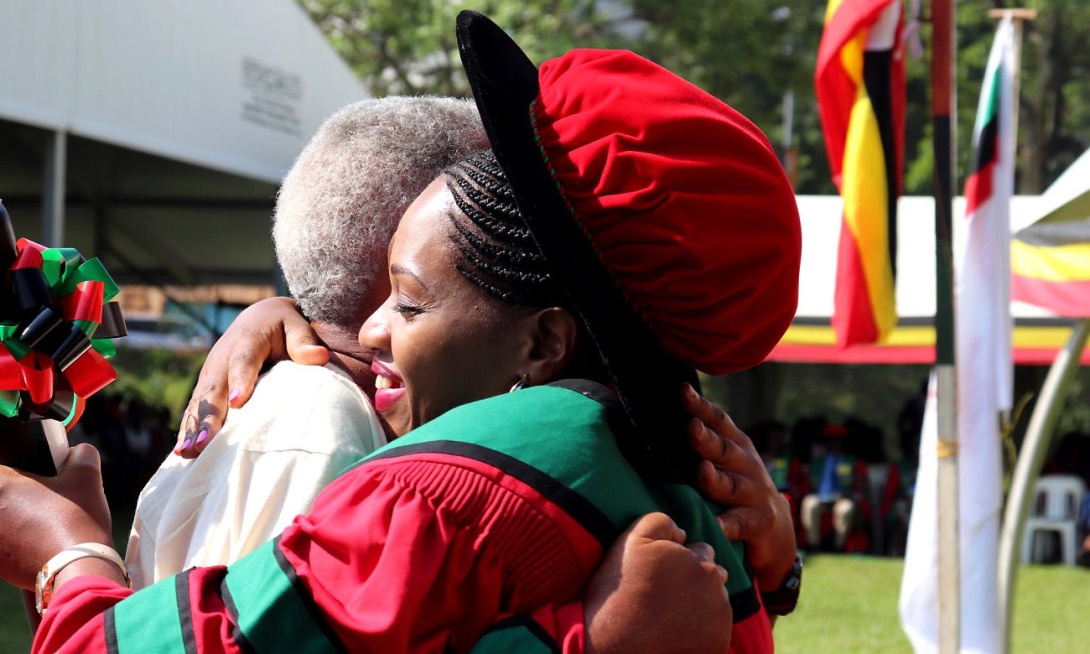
(1050, 259)
(859, 84)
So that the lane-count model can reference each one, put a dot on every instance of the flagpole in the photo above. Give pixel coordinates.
(1018, 16)
(1043, 420)
(943, 94)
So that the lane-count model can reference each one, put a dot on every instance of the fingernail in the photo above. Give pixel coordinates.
(185, 445)
(202, 437)
(234, 396)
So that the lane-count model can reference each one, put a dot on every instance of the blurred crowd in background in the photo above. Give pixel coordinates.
(847, 494)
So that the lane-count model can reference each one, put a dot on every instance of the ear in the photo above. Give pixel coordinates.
(553, 334)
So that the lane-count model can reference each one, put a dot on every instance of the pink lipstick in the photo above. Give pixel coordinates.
(388, 386)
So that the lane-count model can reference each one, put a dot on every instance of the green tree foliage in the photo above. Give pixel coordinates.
(1055, 115)
(748, 53)
(156, 377)
(1054, 121)
(408, 46)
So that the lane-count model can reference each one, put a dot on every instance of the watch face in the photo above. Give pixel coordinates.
(796, 576)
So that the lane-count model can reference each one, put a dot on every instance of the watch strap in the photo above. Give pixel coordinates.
(783, 600)
(47, 576)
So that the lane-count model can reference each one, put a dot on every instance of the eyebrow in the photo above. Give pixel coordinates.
(398, 269)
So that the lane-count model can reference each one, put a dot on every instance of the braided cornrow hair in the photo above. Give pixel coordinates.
(496, 250)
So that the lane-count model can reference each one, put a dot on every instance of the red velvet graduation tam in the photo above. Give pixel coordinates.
(682, 198)
(664, 213)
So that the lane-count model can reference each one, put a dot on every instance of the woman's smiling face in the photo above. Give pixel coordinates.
(439, 341)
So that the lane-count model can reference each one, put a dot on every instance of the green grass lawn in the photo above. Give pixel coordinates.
(849, 604)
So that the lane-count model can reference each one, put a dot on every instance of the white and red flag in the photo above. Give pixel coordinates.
(984, 370)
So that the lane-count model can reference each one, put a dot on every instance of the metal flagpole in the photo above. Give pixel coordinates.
(54, 180)
(1038, 435)
(943, 94)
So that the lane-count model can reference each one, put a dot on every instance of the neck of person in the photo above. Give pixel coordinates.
(345, 353)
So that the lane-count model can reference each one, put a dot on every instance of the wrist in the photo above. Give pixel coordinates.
(773, 559)
(776, 570)
(781, 599)
(89, 566)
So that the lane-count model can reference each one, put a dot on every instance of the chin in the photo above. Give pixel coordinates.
(396, 422)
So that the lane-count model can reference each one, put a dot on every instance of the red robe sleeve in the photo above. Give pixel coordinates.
(435, 552)
(74, 620)
(406, 555)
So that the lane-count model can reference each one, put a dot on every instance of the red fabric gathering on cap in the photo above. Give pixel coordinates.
(682, 197)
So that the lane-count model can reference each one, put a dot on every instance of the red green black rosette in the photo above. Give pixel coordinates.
(56, 322)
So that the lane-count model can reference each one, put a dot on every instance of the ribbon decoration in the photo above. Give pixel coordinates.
(56, 322)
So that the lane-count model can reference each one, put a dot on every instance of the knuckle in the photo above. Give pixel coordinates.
(208, 386)
(742, 530)
(767, 520)
(727, 485)
(724, 444)
(241, 359)
(719, 413)
(703, 551)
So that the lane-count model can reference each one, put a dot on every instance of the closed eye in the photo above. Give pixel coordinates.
(408, 309)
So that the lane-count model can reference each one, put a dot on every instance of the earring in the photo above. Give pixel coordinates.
(522, 383)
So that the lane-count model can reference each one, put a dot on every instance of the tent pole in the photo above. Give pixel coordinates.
(1030, 459)
(53, 187)
(943, 93)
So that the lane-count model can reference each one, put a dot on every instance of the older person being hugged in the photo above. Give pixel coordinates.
(335, 214)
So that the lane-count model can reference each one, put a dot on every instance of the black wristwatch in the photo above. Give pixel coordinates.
(783, 600)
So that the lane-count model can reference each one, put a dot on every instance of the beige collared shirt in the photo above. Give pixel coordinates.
(300, 429)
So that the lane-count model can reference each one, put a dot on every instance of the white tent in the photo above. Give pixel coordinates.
(155, 134)
(1068, 198)
(1037, 336)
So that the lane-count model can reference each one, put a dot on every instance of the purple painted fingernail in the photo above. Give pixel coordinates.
(234, 396)
(185, 445)
(202, 437)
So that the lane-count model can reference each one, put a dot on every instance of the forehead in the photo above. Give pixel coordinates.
(426, 222)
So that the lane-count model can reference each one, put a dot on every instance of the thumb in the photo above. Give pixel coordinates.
(83, 463)
(303, 344)
(656, 526)
(81, 456)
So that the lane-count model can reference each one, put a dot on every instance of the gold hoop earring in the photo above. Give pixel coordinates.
(522, 383)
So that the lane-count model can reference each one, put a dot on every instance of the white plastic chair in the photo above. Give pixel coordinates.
(1056, 509)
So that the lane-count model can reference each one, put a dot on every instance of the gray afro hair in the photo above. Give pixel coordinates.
(342, 199)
